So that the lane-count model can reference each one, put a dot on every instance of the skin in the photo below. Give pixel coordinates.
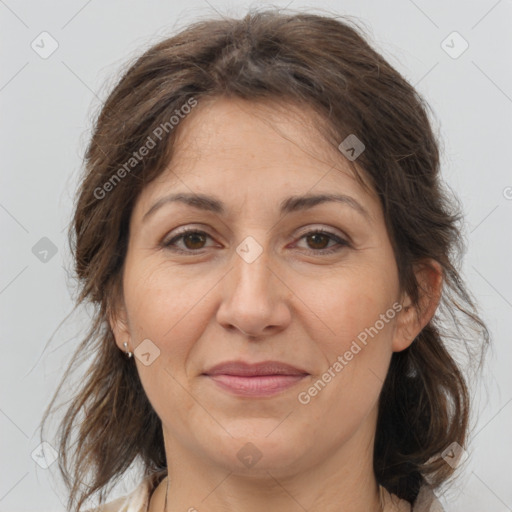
(294, 303)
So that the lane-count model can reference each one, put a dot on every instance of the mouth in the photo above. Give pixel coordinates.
(260, 379)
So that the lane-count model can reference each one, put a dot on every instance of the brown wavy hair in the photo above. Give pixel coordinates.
(323, 63)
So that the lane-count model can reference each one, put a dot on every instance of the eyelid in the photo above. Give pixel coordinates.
(342, 240)
(324, 229)
(180, 232)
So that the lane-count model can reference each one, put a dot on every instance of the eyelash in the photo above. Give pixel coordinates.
(340, 241)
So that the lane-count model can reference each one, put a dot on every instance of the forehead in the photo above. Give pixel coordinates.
(244, 149)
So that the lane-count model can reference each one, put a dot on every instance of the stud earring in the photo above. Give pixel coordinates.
(128, 353)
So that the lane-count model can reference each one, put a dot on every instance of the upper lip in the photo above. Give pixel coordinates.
(243, 368)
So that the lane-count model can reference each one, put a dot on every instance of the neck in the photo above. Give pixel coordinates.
(343, 480)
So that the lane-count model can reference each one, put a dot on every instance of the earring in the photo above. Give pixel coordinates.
(128, 353)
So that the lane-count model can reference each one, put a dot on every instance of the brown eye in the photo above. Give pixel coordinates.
(318, 240)
(192, 240)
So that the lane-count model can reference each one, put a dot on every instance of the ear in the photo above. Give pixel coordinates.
(413, 318)
(118, 320)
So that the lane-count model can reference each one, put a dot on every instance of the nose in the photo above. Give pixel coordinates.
(255, 298)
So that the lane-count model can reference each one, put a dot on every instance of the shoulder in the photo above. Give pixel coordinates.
(392, 503)
(136, 501)
(427, 501)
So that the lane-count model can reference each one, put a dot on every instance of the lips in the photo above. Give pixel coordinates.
(257, 379)
(244, 369)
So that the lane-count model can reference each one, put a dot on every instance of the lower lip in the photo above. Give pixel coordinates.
(260, 385)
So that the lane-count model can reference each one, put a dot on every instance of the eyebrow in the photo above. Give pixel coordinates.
(290, 204)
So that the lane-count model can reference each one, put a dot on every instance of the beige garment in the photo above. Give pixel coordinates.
(393, 503)
(426, 501)
(138, 500)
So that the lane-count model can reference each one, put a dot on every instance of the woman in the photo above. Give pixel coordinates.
(263, 231)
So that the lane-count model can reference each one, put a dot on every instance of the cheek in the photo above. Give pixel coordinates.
(351, 304)
(167, 305)
(355, 340)
(356, 310)
(151, 297)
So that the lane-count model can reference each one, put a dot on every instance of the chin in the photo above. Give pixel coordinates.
(257, 446)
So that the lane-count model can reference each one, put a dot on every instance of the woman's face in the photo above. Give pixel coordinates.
(254, 283)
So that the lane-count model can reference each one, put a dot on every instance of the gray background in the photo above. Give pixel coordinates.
(46, 108)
